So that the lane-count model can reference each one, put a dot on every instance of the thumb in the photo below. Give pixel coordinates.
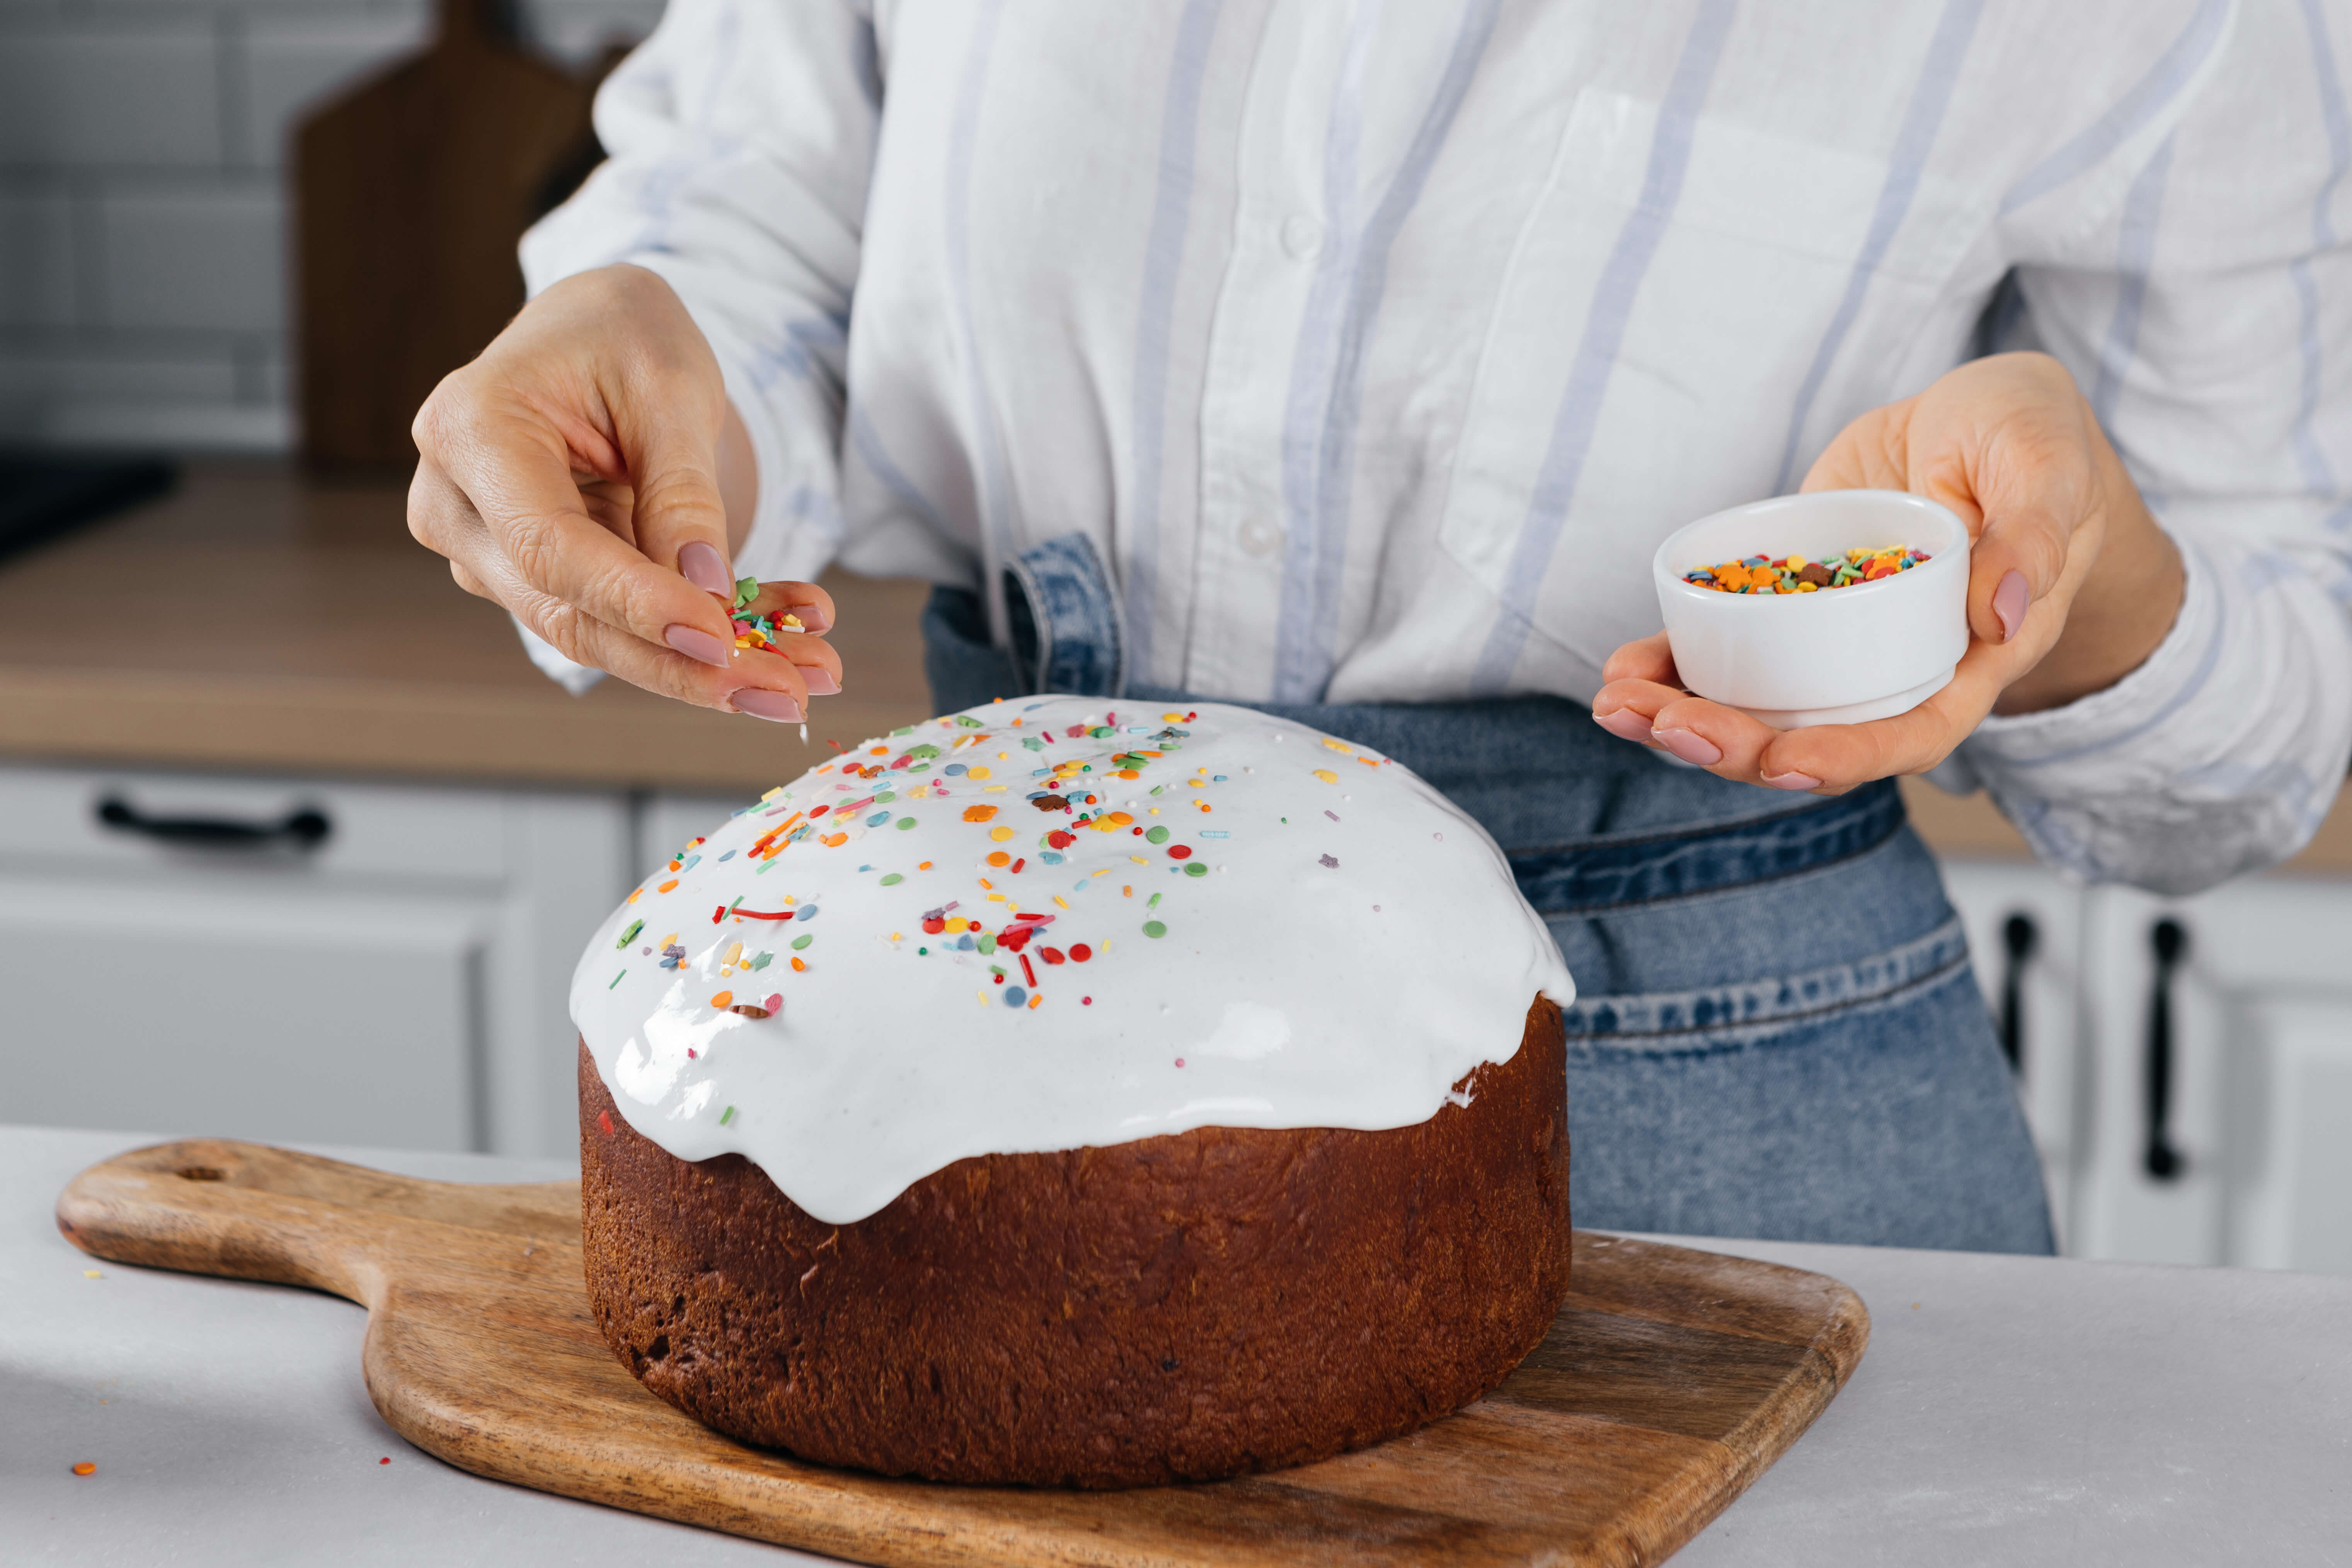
(667, 424)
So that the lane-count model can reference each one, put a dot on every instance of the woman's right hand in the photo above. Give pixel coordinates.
(583, 472)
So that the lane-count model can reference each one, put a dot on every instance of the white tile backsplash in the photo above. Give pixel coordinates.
(87, 97)
(37, 260)
(143, 273)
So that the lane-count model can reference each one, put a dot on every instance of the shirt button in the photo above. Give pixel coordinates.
(1302, 236)
(1259, 537)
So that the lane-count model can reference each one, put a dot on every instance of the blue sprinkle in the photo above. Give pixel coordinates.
(691, 862)
(1039, 772)
(1015, 998)
(1214, 833)
(807, 915)
(878, 819)
(1051, 857)
(866, 868)
(954, 770)
(729, 855)
(1216, 778)
(1081, 885)
(964, 944)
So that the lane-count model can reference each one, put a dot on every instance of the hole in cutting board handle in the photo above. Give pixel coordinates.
(305, 829)
(202, 1173)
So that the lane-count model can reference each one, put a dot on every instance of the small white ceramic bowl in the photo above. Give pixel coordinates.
(1841, 655)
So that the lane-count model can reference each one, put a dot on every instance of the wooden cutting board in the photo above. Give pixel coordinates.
(1669, 1383)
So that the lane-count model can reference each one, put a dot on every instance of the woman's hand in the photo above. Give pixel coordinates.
(583, 472)
(2071, 584)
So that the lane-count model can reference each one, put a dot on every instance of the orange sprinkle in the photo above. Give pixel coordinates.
(1126, 891)
(1128, 774)
(665, 886)
(633, 897)
(1120, 819)
(724, 999)
(999, 858)
(1032, 1000)
(924, 867)
(979, 813)
(833, 840)
(797, 965)
(879, 752)
(85, 1468)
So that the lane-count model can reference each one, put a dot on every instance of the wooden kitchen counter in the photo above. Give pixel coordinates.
(258, 620)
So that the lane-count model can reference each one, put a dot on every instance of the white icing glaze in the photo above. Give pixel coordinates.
(1354, 946)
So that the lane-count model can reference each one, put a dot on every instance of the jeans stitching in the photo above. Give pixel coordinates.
(1894, 826)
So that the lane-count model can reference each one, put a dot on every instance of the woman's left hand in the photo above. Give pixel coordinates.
(2071, 583)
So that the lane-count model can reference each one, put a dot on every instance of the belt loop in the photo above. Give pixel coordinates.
(1067, 630)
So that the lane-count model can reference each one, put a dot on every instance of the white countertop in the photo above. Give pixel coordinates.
(2011, 1410)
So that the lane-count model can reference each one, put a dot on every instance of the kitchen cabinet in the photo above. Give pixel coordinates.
(2187, 1063)
(298, 959)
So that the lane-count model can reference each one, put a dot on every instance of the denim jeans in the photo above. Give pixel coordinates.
(1776, 1032)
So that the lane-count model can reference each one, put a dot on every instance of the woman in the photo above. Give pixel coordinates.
(1352, 361)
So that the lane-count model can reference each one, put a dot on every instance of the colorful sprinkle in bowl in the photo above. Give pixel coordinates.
(1869, 650)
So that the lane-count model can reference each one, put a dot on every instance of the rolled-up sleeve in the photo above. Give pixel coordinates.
(741, 139)
(2207, 313)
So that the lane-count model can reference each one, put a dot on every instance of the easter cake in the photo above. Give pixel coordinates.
(1064, 1094)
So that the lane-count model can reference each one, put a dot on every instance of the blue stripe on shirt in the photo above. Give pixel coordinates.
(1596, 351)
(2145, 98)
(2135, 254)
(1930, 97)
(1163, 252)
(2317, 472)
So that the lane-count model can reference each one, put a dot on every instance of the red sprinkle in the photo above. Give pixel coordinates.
(766, 914)
(605, 1120)
(1180, 852)
(1059, 839)
(934, 926)
(1051, 954)
(1080, 952)
(1018, 864)
(820, 810)
(1085, 1001)
(1029, 971)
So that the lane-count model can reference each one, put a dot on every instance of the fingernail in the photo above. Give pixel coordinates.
(813, 619)
(764, 704)
(2009, 604)
(819, 681)
(696, 644)
(1792, 780)
(1690, 747)
(1624, 723)
(702, 566)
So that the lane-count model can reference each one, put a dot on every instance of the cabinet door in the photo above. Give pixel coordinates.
(2260, 1108)
(2026, 932)
(401, 980)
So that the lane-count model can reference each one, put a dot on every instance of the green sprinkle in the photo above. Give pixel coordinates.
(1196, 870)
(1102, 731)
(726, 1116)
(746, 590)
(616, 980)
(903, 729)
(1157, 788)
(1156, 836)
(922, 951)
(764, 960)
(1033, 743)
(1154, 929)
(905, 823)
(923, 752)
(967, 720)
(630, 935)
(893, 879)
(885, 797)
(987, 942)
(801, 941)
(765, 867)
(1153, 903)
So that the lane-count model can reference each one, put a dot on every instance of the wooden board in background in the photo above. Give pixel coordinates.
(1672, 1379)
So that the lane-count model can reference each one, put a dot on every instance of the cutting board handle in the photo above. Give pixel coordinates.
(246, 1211)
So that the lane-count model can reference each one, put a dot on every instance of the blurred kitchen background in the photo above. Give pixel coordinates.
(295, 844)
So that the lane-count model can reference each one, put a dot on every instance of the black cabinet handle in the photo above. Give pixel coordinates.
(2164, 1162)
(2019, 936)
(304, 829)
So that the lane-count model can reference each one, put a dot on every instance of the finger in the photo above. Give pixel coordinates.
(751, 682)
(811, 604)
(1644, 659)
(515, 472)
(1845, 755)
(817, 661)
(1720, 738)
(1867, 455)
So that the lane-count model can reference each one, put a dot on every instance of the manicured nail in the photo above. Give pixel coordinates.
(2009, 604)
(764, 704)
(1624, 723)
(819, 681)
(1690, 747)
(696, 644)
(1792, 780)
(812, 620)
(702, 566)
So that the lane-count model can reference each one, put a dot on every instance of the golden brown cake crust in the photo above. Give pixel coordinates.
(1181, 1308)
